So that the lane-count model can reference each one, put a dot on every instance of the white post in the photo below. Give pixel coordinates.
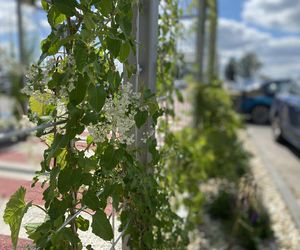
(145, 30)
(200, 38)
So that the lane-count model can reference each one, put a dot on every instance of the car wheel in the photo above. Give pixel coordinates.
(276, 129)
(260, 114)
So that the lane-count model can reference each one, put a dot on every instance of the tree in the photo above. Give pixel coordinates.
(249, 65)
(231, 70)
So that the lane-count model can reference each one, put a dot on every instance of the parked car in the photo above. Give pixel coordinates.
(285, 115)
(255, 100)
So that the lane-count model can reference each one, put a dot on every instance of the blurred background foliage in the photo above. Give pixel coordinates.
(211, 154)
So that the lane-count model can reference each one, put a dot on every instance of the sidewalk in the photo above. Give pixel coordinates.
(17, 166)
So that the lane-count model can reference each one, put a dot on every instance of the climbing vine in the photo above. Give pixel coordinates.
(91, 162)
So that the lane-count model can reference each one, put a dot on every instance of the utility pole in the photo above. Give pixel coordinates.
(202, 4)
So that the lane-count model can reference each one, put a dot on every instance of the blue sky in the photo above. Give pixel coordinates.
(231, 9)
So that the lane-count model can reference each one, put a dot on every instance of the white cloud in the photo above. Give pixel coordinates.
(280, 56)
(275, 14)
(235, 34)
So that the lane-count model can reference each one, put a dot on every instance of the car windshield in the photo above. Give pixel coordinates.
(275, 87)
(295, 88)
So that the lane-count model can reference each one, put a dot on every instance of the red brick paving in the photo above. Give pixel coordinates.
(9, 186)
(5, 243)
(13, 156)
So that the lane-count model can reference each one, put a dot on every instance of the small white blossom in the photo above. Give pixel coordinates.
(119, 111)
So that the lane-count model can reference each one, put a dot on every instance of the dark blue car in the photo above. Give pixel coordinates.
(256, 100)
(285, 115)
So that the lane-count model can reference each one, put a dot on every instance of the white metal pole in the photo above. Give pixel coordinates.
(145, 30)
(200, 38)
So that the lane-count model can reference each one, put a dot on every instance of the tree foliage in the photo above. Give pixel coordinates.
(249, 65)
(231, 70)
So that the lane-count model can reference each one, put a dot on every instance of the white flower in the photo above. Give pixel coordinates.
(119, 111)
(61, 108)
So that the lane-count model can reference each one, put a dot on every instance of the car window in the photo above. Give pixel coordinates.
(295, 88)
(284, 87)
(271, 88)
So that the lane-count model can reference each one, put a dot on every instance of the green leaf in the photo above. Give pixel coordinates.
(96, 97)
(65, 180)
(64, 239)
(125, 22)
(87, 164)
(55, 17)
(66, 7)
(111, 157)
(114, 80)
(58, 208)
(101, 226)
(38, 106)
(82, 223)
(113, 46)
(31, 228)
(90, 117)
(58, 79)
(45, 5)
(68, 178)
(105, 7)
(14, 212)
(88, 21)
(140, 118)
(91, 200)
(77, 95)
(81, 54)
(124, 52)
(60, 141)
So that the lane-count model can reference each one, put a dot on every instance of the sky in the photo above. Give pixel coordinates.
(270, 28)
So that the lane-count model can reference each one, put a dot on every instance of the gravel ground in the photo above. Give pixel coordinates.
(286, 234)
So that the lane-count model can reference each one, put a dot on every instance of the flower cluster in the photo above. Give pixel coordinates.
(38, 77)
(118, 111)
